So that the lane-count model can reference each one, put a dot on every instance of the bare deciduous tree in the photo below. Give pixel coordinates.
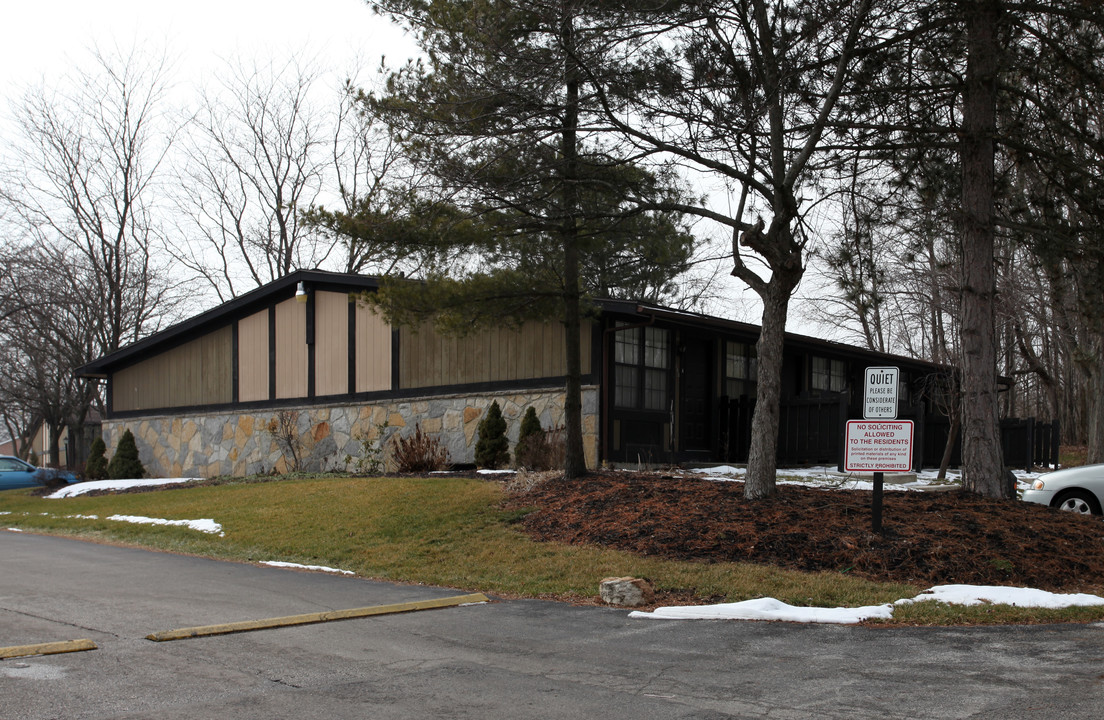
(77, 202)
(81, 178)
(256, 156)
(43, 340)
(749, 92)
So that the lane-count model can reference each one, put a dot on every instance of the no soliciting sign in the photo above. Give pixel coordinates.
(878, 446)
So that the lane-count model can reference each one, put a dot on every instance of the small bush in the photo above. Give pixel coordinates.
(284, 429)
(544, 451)
(492, 450)
(125, 463)
(526, 481)
(33, 458)
(372, 445)
(95, 468)
(419, 452)
(530, 428)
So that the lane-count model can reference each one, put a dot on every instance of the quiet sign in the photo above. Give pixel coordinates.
(880, 401)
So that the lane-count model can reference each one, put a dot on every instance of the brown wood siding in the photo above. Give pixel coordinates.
(428, 359)
(373, 351)
(253, 357)
(196, 373)
(331, 343)
(291, 349)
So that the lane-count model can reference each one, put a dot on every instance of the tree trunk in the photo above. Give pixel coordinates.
(948, 448)
(981, 449)
(53, 452)
(763, 452)
(574, 456)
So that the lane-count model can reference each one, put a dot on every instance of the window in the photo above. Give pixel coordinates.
(828, 375)
(641, 359)
(655, 369)
(12, 465)
(626, 358)
(741, 368)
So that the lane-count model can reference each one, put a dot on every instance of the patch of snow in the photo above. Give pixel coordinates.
(771, 609)
(768, 609)
(323, 568)
(206, 525)
(14, 530)
(494, 472)
(829, 478)
(996, 595)
(724, 470)
(83, 487)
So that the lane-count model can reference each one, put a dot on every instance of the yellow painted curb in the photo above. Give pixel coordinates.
(52, 648)
(309, 618)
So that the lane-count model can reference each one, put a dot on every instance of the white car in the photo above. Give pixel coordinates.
(1077, 489)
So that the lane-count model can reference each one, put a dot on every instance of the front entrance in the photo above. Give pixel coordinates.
(695, 384)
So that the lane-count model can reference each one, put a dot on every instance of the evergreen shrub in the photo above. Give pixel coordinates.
(492, 450)
(125, 464)
(95, 468)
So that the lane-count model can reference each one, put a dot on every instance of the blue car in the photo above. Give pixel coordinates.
(14, 473)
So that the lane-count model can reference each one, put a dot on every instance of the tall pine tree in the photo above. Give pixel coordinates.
(528, 198)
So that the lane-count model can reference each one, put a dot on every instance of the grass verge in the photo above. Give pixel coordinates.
(450, 532)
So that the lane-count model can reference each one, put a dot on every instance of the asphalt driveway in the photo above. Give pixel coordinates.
(506, 659)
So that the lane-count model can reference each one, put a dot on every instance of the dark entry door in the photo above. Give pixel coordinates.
(694, 396)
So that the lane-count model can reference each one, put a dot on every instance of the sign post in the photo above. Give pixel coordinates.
(879, 443)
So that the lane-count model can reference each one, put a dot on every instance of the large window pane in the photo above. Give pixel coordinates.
(820, 374)
(641, 363)
(655, 348)
(655, 389)
(626, 348)
(625, 386)
(736, 361)
(828, 375)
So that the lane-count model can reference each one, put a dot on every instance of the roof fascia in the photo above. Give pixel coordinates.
(227, 312)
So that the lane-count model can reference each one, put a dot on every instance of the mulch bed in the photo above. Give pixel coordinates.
(928, 538)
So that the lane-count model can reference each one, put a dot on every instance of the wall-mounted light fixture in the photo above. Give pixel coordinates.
(301, 293)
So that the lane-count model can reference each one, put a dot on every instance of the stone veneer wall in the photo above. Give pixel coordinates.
(232, 443)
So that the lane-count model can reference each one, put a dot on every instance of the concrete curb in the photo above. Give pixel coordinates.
(51, 648)
(310, 618)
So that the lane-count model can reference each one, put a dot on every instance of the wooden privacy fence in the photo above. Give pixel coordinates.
(810, 430)
(1027, 443)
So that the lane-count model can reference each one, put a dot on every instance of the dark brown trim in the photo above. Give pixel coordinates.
(396, 379)
(309, 340)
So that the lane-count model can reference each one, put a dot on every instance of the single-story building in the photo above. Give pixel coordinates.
(659, 385)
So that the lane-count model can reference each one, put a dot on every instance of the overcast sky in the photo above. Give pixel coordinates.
(45, 38)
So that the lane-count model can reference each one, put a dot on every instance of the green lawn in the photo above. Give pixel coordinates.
(443, 531)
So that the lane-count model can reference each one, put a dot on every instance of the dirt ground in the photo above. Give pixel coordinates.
(928, 538)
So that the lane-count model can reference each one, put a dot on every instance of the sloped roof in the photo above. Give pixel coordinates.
(225, 313)
(792, 340)
(285, 287)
